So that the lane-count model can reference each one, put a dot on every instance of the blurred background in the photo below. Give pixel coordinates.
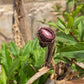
(37, 13)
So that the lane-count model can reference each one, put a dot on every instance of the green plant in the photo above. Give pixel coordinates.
(70, 37)
(73, 7)
(20, 65)
(23, 64)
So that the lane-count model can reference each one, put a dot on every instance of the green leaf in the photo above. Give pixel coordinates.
(61, 23)
(3, 77)
(5, 58)
(14, 50)
(79, 56)
(52, 24)
(22, 74)
(35, 44)
(67, 31)
(15, 65)
(69, 51)
(26, 49)
(65, 38)
(77, 21)
(39, 57)
(29, 47)
(74, 13)
(70, 21)
(57, 26)
(81, 30)
(26, 71)
(71, 3)
(76, 47)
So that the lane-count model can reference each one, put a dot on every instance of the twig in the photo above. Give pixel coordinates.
(5, 36)
(33, 67)
(79, 81)
(71, 75)
(74, 36)
(73, 61)
(38, 74)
